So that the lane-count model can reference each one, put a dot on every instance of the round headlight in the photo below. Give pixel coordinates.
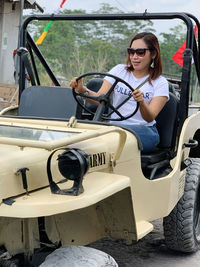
(73, 163)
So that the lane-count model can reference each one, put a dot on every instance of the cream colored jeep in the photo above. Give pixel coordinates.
(69, 176)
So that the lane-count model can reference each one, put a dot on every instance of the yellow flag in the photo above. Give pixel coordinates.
(41, 38)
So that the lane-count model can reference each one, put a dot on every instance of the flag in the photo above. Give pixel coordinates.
(178, 56)
(44, 34)
(61, 5)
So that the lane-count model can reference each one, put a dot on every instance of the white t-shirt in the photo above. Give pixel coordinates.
(159, 87)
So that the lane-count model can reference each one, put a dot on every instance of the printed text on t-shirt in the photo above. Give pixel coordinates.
(126, 91)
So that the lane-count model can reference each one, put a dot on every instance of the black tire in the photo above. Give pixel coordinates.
(8, 263)
(182, 225)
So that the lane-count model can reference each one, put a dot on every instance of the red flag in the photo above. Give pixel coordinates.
(178, 56)
(61, 5)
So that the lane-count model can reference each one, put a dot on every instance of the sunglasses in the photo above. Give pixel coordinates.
(140, 52)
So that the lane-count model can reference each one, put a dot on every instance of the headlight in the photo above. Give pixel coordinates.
(72, 164)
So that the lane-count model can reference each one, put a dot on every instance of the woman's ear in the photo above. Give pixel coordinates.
(153, 55)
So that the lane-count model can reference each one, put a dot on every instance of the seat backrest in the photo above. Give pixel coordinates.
(94, 85)
(167, 122)
(48, 102)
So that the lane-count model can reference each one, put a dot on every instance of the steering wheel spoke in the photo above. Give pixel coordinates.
(112, 88)
(95, 98)
(114, 110)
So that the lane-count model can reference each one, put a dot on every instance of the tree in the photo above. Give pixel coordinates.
(170, 43)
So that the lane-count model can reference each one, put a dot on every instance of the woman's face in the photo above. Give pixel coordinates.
(140, 62)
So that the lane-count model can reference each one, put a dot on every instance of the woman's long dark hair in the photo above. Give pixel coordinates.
(152, 43)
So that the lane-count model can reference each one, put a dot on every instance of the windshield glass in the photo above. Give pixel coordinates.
(32, 134)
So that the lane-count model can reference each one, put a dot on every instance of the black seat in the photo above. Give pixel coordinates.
(167, 123)
(47, 102)
(94, 84)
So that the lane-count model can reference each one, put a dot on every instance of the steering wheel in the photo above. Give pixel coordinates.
(105, 100)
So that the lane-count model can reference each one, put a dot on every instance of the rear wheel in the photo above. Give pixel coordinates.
(182, 225)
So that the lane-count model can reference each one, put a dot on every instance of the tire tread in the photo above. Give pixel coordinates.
(178, 225)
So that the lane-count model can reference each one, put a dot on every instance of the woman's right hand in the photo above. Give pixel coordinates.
(77, 85)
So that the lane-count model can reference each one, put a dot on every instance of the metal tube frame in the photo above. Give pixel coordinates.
(192, 47)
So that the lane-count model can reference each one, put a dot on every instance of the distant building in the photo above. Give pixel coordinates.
(10, 20)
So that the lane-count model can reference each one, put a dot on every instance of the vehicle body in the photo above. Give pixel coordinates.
(123, 190)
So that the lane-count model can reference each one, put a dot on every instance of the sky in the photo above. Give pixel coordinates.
(137, 6)
(126, 5)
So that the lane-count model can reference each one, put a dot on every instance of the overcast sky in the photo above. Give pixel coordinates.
(191, 6)
(137, 6)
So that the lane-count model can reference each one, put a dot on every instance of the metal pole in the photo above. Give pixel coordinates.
(21, 13)
(16, 59)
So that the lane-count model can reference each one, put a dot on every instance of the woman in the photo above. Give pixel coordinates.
(143, 65)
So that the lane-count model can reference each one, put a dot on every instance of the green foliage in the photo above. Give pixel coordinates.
(170, 43)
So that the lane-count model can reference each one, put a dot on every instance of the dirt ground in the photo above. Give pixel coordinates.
(148, 252)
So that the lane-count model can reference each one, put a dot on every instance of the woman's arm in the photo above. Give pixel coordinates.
(149, 112)
(78, 86)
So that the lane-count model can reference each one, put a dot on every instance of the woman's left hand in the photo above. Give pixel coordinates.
(138, 96)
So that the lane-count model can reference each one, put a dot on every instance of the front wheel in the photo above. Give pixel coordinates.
(182, 225)
(79, 256)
